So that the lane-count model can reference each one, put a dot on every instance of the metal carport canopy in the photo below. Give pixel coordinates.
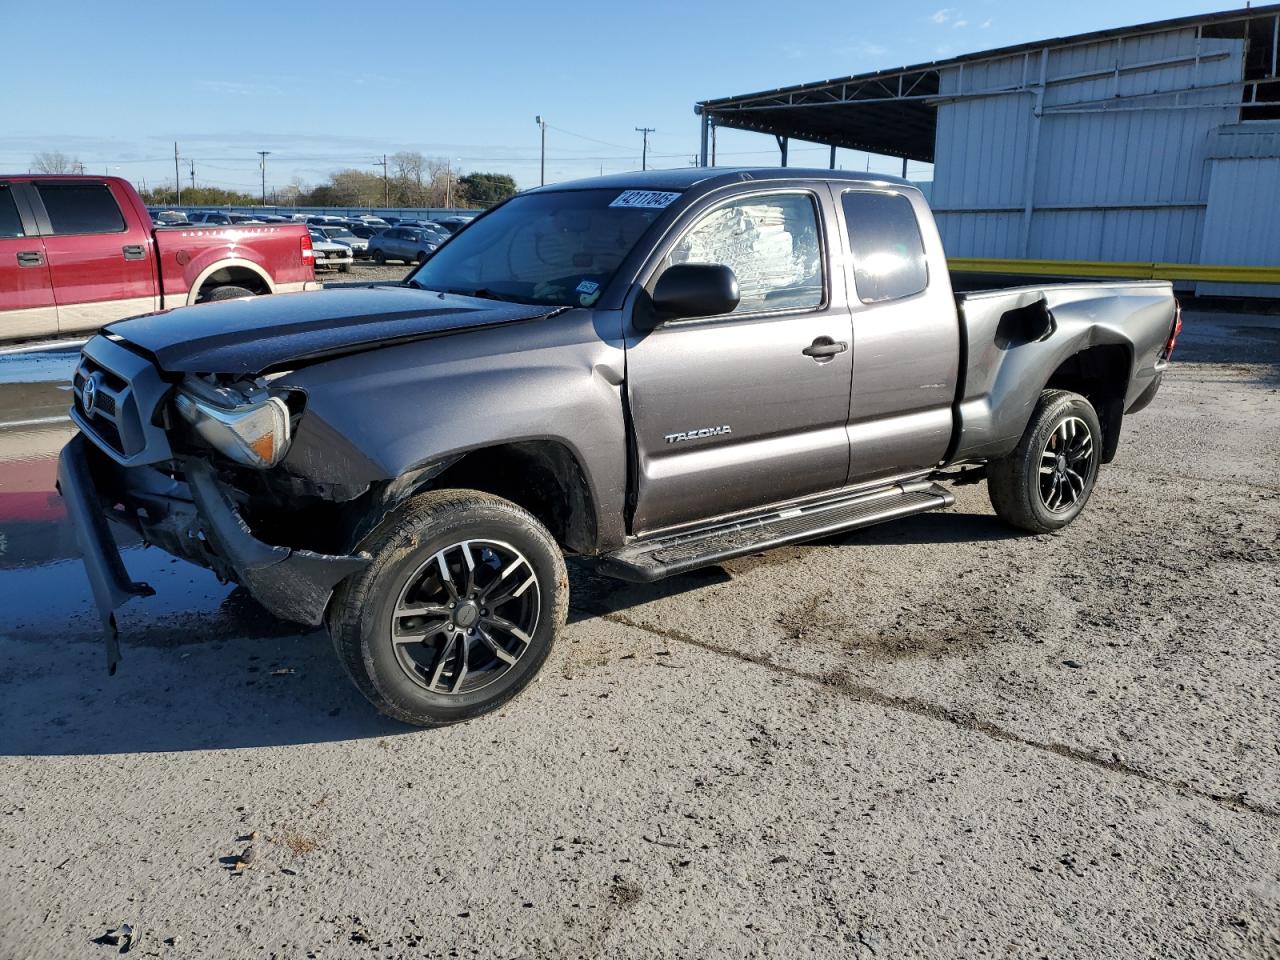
(887, 112)
(891, 112)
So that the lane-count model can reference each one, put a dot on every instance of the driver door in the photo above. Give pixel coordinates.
(731, 412)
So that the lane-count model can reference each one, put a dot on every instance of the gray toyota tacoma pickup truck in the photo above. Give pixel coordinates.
(651, 372)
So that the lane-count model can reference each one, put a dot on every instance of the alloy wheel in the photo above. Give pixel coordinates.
(1066, 465)
(465, 616)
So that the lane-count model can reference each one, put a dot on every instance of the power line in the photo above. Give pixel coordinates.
(603, 143)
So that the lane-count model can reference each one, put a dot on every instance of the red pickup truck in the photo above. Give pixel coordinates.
(77, 253)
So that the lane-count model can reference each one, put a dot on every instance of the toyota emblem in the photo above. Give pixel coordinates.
(89, 395)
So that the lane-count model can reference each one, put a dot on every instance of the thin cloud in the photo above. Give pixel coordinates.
(944, 15)
(864, 49)
(235, 88)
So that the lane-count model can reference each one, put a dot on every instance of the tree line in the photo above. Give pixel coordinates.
(411, 180)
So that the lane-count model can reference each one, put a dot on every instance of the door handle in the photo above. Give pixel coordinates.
(824, 348)
(134, 251)
(30, 258)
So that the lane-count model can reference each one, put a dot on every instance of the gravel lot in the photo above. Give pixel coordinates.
(934, 738)
(362, 271)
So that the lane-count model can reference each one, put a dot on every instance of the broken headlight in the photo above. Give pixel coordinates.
(245, 422)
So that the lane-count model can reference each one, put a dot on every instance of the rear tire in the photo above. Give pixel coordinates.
(227, 293)
(445, 666)
(421, 257)
(379, 258)
(1046, 481)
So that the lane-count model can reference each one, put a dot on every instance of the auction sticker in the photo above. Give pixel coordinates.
(645, 199)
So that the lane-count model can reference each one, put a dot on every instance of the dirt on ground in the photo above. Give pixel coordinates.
(933, 738)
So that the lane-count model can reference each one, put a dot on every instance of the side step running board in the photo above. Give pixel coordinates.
(648, 560)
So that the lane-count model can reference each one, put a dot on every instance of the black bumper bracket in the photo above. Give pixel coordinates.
(107, 576)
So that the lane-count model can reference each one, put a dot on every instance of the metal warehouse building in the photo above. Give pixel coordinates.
(1148, 150)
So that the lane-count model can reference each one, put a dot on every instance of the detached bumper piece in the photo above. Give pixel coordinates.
(107, 576)
(292, 584)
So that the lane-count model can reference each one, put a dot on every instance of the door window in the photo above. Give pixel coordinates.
(888, 252)
(81, 208)
(771, 244)
(10, 222)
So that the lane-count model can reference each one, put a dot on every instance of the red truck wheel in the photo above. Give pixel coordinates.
(228, 293)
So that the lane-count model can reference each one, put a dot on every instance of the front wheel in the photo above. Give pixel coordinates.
(458, 610)
(1046, 481)
(379, 258)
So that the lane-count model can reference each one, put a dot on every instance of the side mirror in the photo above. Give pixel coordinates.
(695, 290)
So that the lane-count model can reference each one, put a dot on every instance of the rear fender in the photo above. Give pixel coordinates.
(1008, 367)
(231, 264)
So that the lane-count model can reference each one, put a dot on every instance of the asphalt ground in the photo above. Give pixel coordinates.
(933, 738)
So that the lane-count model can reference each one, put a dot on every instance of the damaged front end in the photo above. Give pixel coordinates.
(158, 458)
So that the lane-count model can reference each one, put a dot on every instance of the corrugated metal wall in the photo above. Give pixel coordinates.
(1116, 165)
(1243, 222)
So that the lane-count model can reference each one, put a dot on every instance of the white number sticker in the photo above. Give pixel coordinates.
(648, 199)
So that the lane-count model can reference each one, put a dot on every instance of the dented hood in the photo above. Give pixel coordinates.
(259, 334)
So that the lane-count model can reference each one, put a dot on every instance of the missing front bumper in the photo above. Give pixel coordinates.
(292, 584)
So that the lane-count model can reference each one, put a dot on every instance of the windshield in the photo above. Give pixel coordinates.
(338, 232)
(558, 248)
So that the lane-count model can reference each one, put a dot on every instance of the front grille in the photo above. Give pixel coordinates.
(127, 392)
(110, 407)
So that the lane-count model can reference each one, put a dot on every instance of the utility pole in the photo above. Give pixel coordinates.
(177, 178)
(193, 174)
(448, 183)
(386, 184)
(644, 152)
(542, 170)
(263, 154)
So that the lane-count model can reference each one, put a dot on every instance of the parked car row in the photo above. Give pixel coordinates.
(367, 236)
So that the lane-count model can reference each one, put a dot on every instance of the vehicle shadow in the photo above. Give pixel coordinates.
(228, 681)
(230, 676)
(593, 594)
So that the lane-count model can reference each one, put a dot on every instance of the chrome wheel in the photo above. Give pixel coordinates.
(465, 616)
(1066, 465)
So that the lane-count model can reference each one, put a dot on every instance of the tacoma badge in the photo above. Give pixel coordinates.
(698, 434)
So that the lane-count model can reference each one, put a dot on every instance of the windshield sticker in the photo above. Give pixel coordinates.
(645, 199)
(588, 286)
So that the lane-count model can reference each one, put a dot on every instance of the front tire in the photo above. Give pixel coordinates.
(1046, 481)
(379, 258)
(458, 611)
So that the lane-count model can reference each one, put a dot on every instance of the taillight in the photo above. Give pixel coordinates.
(1174, 331)
(308, 253)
